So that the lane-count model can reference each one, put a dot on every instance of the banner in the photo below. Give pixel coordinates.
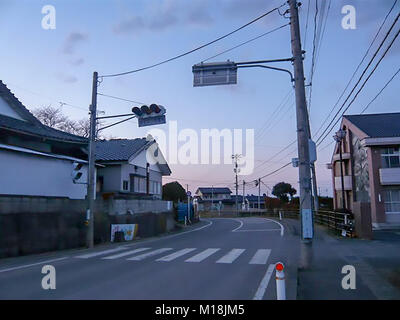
(130, 231)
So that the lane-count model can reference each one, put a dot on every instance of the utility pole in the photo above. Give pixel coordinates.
(315, 189)
(236, 157)
(91, 170)
(259, 191)
(212, 197)
(243, 202)
(302, 127)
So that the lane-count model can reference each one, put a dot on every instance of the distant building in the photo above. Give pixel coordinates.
(36, 160)
(124, 168)
(212, 196)
(371, 166)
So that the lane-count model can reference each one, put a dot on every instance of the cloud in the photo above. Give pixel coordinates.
(72, 40)
(77, 61)
(166, 15)
(199, 15)
(66, 77)
(130, 25)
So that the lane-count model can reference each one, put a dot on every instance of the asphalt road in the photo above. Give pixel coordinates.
(215, 259)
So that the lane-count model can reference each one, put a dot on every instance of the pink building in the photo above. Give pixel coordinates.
(371, 166)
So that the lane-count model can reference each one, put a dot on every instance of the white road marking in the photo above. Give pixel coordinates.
(231, 256)
(171, 236)
(241, 225)
(149, 254)
(202, 255)
(264, 283)
(32, 264)
(282, 228)
(177, 254)
(258, 230)
(100, 253)
(261, 256)
(126, 253)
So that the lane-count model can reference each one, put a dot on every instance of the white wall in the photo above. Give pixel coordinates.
(27, 174)
(6, 110)
(112, 178)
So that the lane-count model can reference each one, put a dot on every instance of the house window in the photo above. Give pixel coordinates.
(390, 157)
(392, 201)
(125, 185)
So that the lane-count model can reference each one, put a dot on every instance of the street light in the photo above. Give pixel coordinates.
(338, 137)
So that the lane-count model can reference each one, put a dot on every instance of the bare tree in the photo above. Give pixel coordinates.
(54, 118)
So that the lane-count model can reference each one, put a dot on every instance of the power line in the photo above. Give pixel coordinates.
(195, 49)
(246, 42)
(384, 87)
(275, 171)
(122, 99)
(362, 75)
(276, 154)
(270, 121)
(306, 28)
(356, 70)
(62, 103)
(366, 80)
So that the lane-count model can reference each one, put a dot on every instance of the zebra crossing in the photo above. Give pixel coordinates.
(189, 255)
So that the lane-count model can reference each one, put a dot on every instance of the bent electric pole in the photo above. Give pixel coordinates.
(302, 126)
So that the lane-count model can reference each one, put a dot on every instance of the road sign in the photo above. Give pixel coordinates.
(151, 121)
(188, 193)
(217, 73)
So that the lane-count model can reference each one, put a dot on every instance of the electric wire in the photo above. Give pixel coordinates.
(195, 49)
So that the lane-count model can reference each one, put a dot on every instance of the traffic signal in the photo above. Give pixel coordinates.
(77, 172)
(150, 115)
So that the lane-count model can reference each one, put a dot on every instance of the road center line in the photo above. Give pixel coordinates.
(241, 225)
(282, 228)
(264, 283)
(32, 264)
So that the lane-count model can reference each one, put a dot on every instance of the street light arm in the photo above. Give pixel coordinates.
(267, 67)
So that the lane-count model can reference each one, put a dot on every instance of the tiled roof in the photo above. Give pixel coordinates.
(215, 190)
(378, 125)
(38, 130)
(119, 149)
(31, 126)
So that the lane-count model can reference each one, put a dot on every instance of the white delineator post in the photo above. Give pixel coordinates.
(280, 281)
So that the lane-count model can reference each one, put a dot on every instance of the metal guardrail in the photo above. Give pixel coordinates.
(339, 222)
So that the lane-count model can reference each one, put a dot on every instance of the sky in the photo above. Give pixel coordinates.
(46, 67)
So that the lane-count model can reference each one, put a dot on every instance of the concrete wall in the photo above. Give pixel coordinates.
(33, 224)
(34, 175)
